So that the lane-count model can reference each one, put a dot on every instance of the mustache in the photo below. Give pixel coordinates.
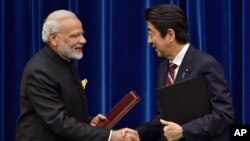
(78, 46)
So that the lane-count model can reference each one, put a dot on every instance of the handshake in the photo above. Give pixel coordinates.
(125, 134)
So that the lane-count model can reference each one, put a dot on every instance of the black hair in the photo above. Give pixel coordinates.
(169, 16)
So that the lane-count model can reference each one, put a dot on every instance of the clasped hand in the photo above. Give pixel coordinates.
(172, 131)
(125, 134)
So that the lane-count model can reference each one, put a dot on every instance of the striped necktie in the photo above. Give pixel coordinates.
(171, 69)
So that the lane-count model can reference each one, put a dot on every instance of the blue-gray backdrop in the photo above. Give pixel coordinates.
(117, 57)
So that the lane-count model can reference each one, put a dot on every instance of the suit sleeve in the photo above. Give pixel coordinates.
(222, 114)
(48, 104)
(151, 131)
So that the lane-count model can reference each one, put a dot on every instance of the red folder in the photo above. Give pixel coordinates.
(121, 109)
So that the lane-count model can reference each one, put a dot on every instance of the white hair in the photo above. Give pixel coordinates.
(51, 23)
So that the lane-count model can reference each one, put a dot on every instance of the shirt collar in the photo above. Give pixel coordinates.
(178, 59)
(57, 57)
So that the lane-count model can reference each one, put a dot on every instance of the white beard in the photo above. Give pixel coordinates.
(68, 52)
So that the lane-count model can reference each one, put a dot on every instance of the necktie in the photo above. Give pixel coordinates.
(171, 69)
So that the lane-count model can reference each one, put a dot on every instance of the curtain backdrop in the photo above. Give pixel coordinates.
(117, 58)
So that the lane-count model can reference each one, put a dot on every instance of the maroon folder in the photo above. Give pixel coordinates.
(121, 109)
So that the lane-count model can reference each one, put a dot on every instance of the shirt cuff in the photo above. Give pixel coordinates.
(110, 135)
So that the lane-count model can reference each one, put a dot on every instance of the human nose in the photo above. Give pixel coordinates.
(149, 39)
(82, 40)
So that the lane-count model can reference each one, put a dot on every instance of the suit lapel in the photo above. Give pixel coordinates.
(186, 65)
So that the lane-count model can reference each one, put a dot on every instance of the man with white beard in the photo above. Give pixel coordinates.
(53, 102)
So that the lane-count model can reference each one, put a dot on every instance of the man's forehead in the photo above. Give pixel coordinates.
(71, 25)
(150, 25)
(71, 20)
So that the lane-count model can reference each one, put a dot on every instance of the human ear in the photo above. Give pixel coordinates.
(171, 34)
(53, 39)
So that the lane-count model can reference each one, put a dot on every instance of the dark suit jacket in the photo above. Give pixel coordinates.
(212, 126)
(53, 103)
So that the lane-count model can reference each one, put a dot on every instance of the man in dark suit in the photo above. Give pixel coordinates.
(168, 34)
(53, 102)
